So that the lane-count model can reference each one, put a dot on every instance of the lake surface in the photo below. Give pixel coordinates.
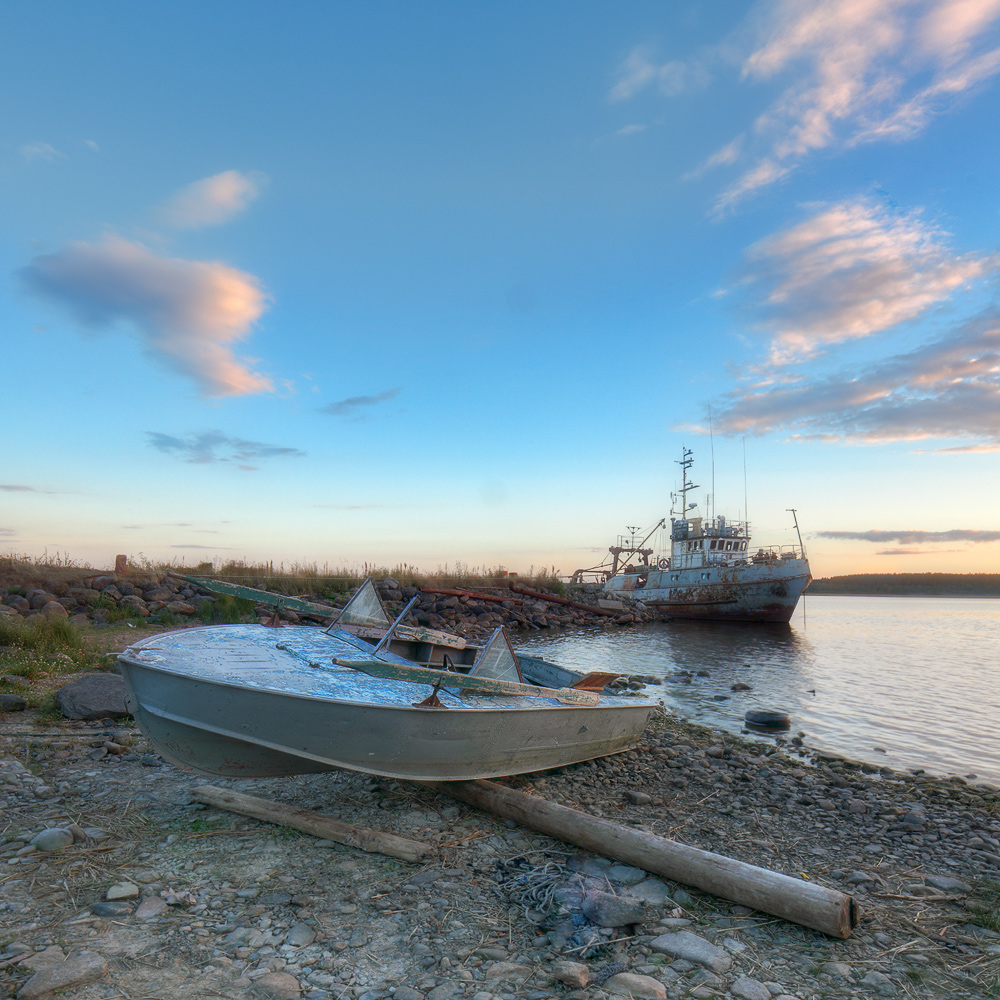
(908, 682)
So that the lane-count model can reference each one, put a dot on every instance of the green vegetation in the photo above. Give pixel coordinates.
(910, 585)
(43, 646)
(226, 610)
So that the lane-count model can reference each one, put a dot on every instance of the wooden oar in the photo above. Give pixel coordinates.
(487, 685)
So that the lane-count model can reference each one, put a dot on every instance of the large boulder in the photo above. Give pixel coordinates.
(93, 696)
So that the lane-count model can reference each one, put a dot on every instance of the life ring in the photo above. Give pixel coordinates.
(664, 564)
(772, 720)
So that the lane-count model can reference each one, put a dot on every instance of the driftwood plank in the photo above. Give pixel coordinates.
(373, 841)
(802, 902)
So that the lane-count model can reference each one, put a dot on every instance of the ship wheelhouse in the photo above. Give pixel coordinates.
(696, 542)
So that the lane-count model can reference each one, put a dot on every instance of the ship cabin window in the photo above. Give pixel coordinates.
(675, 577)
(706, 576)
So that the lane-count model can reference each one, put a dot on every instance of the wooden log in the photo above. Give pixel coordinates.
(477, 595)
(802, 902)
(373, 841)
(552, 599)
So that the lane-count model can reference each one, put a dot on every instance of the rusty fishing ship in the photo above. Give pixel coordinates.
(713, 572)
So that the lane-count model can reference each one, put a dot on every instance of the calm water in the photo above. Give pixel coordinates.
(907, 682)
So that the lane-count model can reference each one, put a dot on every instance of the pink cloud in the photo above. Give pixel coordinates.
(850, 271)
(189, 314)
(212, 201)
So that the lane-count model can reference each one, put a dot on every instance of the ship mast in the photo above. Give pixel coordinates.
(685, 463)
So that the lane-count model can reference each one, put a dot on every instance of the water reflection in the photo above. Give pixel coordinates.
(909, 682)
(699, 662)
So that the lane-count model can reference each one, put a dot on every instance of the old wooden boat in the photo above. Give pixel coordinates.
(256, 700)
(713, 572)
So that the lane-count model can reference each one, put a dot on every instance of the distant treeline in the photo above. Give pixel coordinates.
(914, 584)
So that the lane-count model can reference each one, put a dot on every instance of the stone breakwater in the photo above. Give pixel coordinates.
(106, 598)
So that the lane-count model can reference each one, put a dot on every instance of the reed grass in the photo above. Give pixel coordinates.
(20, 572)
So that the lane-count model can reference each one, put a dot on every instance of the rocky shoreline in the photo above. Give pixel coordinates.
(171, 600)
(116, 882)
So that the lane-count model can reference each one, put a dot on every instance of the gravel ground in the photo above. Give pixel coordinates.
(146, 893)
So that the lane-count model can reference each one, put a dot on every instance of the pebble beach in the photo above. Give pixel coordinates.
(116, 882)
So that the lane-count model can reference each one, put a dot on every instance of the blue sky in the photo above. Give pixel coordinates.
(452, 283)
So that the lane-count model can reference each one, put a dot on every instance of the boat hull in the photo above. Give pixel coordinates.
(746, 593)
(221, 727)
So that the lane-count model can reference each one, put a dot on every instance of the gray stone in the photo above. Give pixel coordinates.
(607, 910)
(93, 696)
(278, 986)
(631, 984)
(879, 982)
(651, 891)
(407, 993)
(508, 972)
(573, 974)
(134, 605)
(749, 989)
(685, 944)
(53, 609)
(105, 909)
(79, 969)
(150, 908)
(300, 935)
(52, 955)
(947, 884)
(55, 839)
(122, 890)
(625, 874)
(839, 969)
(12, 702)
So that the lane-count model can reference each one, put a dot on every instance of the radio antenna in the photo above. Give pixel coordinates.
(746, 512)
(711, 438)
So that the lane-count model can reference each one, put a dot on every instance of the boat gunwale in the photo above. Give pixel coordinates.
(551, 704)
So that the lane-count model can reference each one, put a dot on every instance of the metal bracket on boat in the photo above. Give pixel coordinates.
(432, 700)
(275, 621)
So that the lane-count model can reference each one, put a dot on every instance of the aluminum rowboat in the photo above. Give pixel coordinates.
(254, 701)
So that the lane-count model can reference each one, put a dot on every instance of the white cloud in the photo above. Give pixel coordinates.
(729, 153)
(860, 70)
(40, 152)
(850, 271)
(947, 389)
(213, 200)
(671, 78)
(189, 314)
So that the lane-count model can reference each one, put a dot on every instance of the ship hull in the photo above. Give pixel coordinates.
(747, 593)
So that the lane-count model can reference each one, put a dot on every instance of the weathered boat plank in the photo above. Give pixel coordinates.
(487, 685)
